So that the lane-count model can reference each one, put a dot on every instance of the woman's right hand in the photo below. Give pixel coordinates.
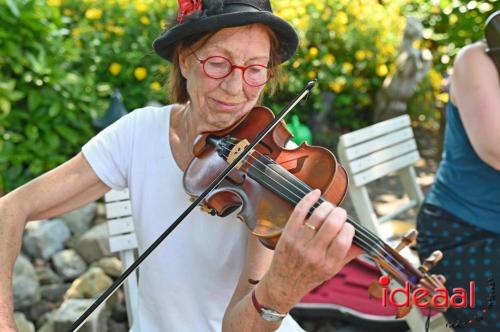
(307, 255)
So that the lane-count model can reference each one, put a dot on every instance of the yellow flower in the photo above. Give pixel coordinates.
(54, 3)
(120, 31)
(141, 7)
(155, 86)
(93, 13)
(76, 32)
(341, 18)
(144, 20)
(303, 22)
(115, 68)
(296, 64)
(347, 67)
(311, 74)
(358, 83)
(382, 70)
(338, 85)
(360, 55)
(140, 73)
(443, 97)
(329, 59)
(313, 51)
(162, 69)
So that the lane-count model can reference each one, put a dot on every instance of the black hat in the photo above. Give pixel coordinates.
(196, 16)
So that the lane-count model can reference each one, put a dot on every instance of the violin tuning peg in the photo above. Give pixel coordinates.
(403, 311)
(431, 261)
(375, 290)
(441, 278)
(409, 238)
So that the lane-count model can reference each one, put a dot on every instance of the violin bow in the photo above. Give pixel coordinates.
(121, 279)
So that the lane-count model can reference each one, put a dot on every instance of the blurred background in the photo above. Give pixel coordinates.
(61, 60)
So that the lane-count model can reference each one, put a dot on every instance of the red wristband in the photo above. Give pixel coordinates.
(266, 313)
(256, 303)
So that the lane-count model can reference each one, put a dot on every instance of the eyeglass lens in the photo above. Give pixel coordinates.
(219, 67)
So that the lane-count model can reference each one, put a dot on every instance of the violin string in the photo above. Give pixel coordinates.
(301, 191)
(364, 241)
(305, 190)
(355, 223)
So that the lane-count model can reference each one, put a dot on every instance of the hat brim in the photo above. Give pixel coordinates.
(287, 37)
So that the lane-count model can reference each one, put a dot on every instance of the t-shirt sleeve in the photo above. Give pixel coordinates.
(109, 153)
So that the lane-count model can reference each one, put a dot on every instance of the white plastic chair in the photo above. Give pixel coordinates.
(122, 239)
(374, 152)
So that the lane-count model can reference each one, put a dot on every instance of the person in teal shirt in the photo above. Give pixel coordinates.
(461, 212)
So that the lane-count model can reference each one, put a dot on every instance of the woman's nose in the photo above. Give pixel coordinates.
(233, 83)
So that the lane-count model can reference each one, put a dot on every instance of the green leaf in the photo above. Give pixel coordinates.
(13, 8)
(5, 105)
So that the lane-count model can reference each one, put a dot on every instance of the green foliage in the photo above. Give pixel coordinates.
(44, 107)
(349, 46)
(60, 60)
(449, 26)
(114, 39)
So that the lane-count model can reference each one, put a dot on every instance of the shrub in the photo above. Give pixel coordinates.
(44, 106)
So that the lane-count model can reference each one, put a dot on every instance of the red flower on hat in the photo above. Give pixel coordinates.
(187, 7)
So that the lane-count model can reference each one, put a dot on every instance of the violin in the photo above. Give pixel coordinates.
(266, 185)
(492, 35)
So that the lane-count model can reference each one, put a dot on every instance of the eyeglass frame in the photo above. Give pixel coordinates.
(243, 69)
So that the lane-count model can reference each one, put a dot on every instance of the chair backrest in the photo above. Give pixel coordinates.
(122, 239)
(373, 152)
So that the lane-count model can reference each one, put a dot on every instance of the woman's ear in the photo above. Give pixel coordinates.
(183, 62)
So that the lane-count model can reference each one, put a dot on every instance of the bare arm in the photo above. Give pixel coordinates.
(303, 259)
(71, 185)
(475, 89)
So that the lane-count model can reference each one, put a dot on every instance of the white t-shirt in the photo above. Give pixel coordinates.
(187, 283)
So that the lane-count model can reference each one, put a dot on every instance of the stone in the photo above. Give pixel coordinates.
(68, 264)
(89, 285)
(54, 292)
(112, 266)
(47, 327)
(44, 238)
(39, 310)
(22, 324)
(72, 309)
(80, 220)
(93, 244)
(25, 286)
(46, 276)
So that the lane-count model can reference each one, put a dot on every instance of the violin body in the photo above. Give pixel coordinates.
(264, 212)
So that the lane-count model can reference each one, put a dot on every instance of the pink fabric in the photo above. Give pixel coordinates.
(349, 288)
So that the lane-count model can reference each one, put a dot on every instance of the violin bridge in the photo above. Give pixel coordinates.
(236, 151)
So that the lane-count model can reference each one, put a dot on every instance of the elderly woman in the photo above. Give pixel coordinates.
(222, 54)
